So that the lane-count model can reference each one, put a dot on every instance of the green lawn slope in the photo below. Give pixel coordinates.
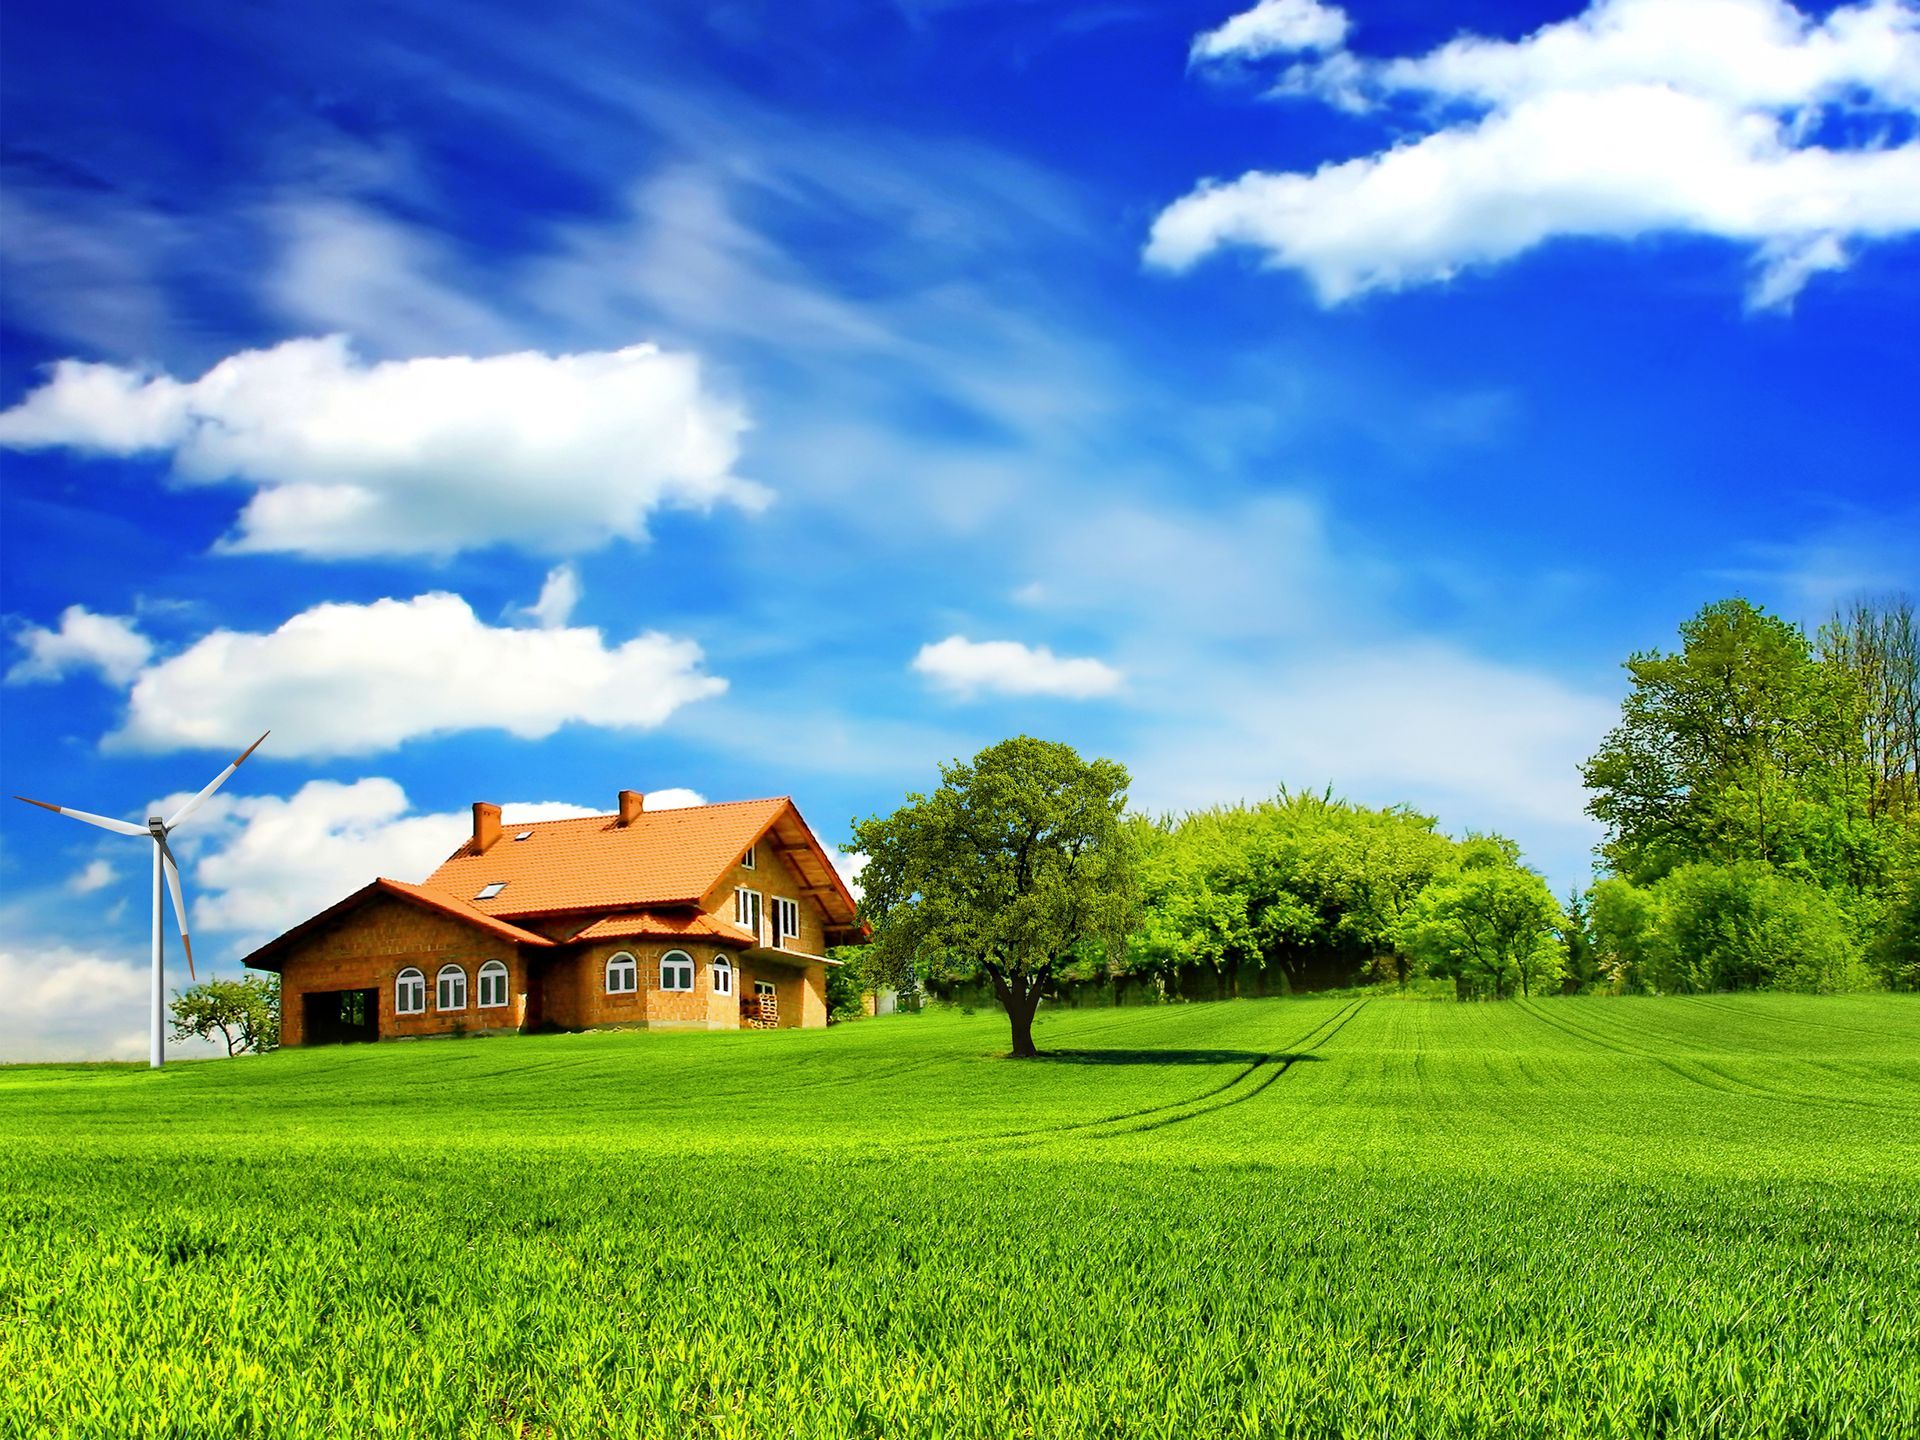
(1361, 1217)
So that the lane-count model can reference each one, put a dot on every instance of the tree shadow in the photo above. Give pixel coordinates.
(1166, 1057)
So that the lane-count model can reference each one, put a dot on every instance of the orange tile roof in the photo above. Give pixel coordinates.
(664, 857)
(266, 957)
(650, 924)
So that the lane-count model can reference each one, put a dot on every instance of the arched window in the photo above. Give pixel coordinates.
(676, 970)
(451, 988)
(409, 992)
(623, 974)
(722, 975)
(493, 985)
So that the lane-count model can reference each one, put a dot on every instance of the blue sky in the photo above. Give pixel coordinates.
(755, 399)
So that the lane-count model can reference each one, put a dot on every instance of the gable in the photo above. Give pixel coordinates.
(450, 914)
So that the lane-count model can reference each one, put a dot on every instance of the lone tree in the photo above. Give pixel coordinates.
(1017, 862)
(246, 1012)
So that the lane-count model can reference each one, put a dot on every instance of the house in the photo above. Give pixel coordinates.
(708, 917)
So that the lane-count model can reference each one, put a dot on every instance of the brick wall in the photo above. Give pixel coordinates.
(368, 949)
(771, 876)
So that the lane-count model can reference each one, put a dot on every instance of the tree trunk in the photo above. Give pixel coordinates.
(1019, 997)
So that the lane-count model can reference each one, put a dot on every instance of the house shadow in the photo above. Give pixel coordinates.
(1166, 1057)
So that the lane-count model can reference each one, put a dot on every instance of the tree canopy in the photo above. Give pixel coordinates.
(245, 1012)
(1020, 859)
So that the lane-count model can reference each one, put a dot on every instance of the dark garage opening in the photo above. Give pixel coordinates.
(341, 1017)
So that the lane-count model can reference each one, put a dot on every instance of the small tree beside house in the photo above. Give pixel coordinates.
(245, 1013)
(1016, 863)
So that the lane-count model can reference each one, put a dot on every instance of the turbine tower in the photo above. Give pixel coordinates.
(164, 864)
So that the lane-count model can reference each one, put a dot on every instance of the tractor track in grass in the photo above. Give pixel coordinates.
(1286, 1061)
(1728, 1084)
(1306, 1044)
(1795, 1021)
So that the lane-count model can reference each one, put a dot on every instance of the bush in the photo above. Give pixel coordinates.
(1746, 927)
(1895, 951)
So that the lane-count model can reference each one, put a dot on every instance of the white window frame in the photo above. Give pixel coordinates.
(410, 983)
(495, 971)
(681, 963)
(491, 889)
(764, 987)
(749, 911)
(750, 861)
(440, 981)
(722, 975)
(625, 962)
(790, 909)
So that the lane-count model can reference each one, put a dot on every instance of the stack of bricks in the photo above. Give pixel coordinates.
(765, 1012)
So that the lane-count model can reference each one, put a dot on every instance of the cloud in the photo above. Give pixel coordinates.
(258, 864)
(1478, 743)
(68, 1004)
(1738, 119)
(674, 797)
(108, 644)
(1274, 27)
(968, 668)
(344, 679)
(429, 456)
(559, 593)
(95, 875)
(850, 864)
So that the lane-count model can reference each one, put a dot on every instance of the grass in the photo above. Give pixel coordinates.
(1258, 1218)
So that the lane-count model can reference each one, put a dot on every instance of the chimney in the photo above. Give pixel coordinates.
(632, 802)
(486, 825)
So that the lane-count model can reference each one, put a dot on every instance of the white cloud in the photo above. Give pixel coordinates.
(108, 644)
(850, 865)
(968, 668)
(1477, 743)
(95, 875)
(1638, 117)
(1274, 27)
(258, 864)
(68, 1004)
(410, 457)
(559, 593)
(674, 797)
(345, 679)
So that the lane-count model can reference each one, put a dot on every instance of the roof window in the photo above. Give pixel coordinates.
(524, 835)
(487, 892)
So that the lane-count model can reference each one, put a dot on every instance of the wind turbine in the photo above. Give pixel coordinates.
(157, 831)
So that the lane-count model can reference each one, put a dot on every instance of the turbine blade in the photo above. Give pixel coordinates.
(121, 827)
(194, 804)
(179, 904)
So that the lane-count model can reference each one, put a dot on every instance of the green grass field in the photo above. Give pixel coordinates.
(1288, 1217)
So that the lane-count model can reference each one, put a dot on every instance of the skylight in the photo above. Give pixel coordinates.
(524, 835)
(487, 892)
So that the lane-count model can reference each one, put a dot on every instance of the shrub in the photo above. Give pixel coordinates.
(1746, 927)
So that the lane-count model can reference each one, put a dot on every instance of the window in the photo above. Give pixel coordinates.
(487, 892)
(786, 920)
(723, 976)
(524, 835)
(623, 974)
(746, 911)
(409, 992)
(451, 991)
(763, 989)
(493, 985)
(676, 970)
(747, 860)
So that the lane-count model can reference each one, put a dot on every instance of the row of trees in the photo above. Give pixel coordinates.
(1762, 802)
